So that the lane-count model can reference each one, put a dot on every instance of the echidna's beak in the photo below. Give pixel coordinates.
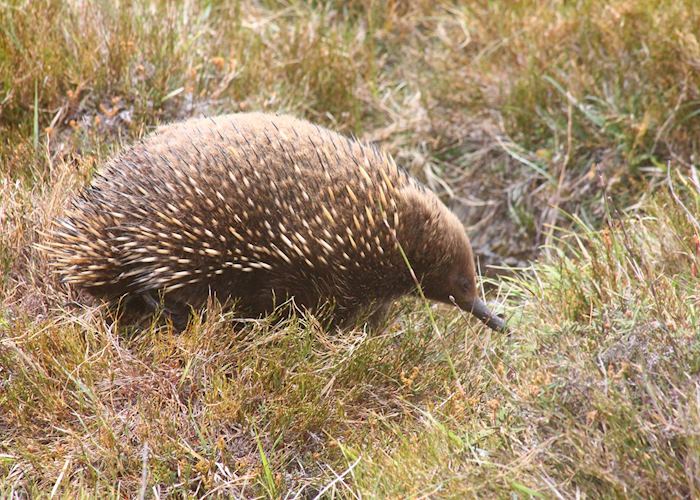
(479, 309)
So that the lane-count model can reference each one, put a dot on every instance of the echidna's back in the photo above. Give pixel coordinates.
(236, 205)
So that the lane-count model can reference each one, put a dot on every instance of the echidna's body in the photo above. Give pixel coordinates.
(260, 208)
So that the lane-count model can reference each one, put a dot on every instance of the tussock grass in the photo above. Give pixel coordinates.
(594, 392)
(568, 125)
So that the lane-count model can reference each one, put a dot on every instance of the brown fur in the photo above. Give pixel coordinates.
(258, 208)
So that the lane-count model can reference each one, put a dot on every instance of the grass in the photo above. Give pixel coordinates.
(564, 135)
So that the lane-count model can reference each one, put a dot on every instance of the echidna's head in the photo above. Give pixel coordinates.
(453, 279)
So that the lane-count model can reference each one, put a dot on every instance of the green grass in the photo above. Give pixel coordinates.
(563, 133)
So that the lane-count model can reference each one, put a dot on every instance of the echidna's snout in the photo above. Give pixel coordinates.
(478, 308)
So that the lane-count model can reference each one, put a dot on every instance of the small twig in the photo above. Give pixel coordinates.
(54, 490)
(694, 178)
(144, 471)
(338, 478)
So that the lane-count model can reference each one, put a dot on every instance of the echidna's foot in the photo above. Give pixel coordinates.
(174, 312)
(151, 301)
(373, 317)
(379, 316)
(179, 319)
(136, 312)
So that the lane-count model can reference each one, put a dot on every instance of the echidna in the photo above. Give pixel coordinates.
(259, 209)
